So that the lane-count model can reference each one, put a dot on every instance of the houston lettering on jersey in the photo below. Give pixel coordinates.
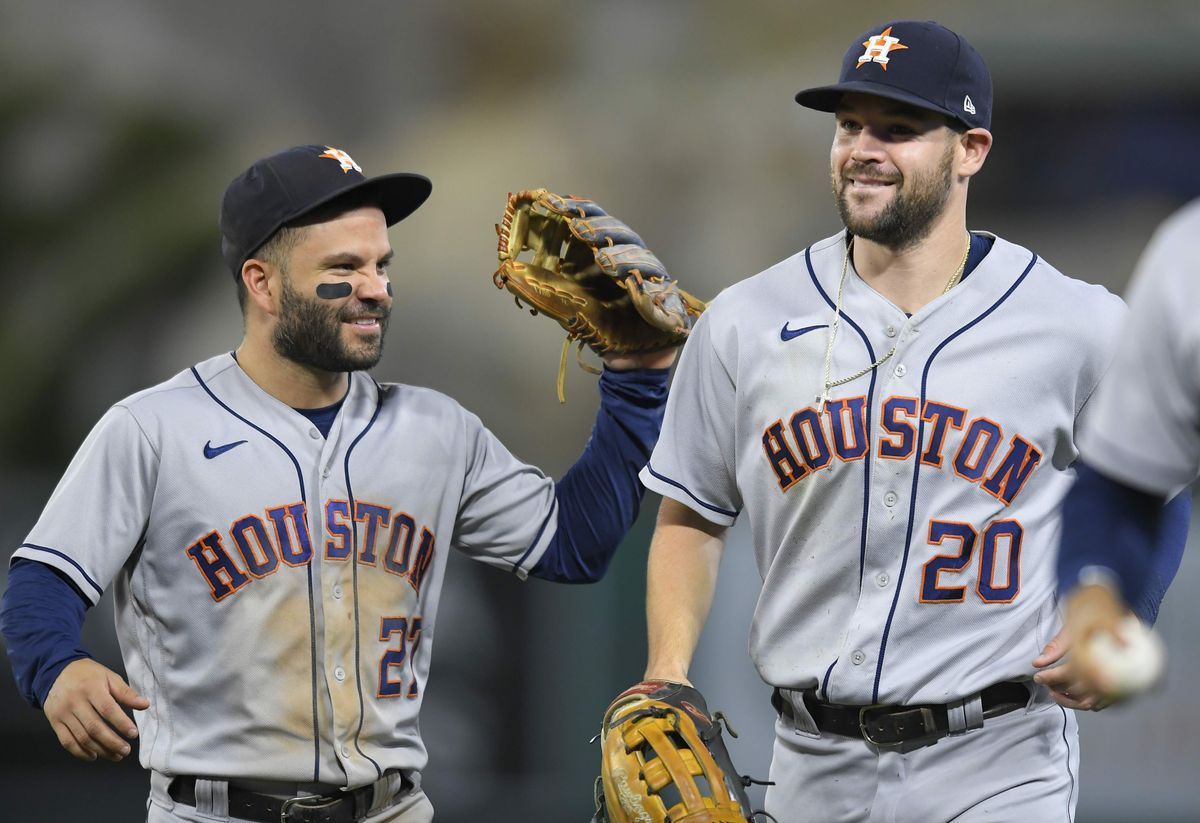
(809, 440)
(257, 545)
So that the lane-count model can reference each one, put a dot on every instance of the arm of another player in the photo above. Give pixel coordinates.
(1112, 533)
(600, 495)
(41, 616)
(681, 578)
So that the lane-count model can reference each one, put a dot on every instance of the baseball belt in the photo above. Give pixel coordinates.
(904, 727)
(343, 807)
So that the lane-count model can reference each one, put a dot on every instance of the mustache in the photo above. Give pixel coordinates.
(364, 311)
(868, 173)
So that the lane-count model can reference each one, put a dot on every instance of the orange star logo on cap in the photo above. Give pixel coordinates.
(878, 48)
(346, 161)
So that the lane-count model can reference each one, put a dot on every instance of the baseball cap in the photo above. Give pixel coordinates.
(284, 187)
(918, 62)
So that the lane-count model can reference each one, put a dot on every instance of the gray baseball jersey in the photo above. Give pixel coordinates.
(905, 532)
(1156, 371)
(277, 591)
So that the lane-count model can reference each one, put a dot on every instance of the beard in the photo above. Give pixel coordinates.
(909, 217)
(309, 332)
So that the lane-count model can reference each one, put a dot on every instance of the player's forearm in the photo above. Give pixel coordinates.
(684, 557)
(41, 618)
(1113, 526)
(599, 496)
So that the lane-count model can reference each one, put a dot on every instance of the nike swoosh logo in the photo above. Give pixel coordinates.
(786, 334)
(211, 451)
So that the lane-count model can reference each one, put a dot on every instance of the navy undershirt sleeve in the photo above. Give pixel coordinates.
(1167, 555)
(1127, 531)
(599, 496)
(41, 618)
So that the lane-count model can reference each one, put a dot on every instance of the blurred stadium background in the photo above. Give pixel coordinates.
(122, 121)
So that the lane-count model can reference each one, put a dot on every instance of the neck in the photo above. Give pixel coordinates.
(914, 276)
(297, 385)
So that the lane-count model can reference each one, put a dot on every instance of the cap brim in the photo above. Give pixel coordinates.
(398, 195)
(826, 98)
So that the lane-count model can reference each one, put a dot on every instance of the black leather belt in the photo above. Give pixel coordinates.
(891, 726)
(343, 807)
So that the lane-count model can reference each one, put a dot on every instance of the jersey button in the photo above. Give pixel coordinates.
(882, 579)
(339, 673)
(325, 473)
(890, 499)
(337, 591)
(890, 331)
(314, 434)
(345, 750)
(900, 370)
(857, 658)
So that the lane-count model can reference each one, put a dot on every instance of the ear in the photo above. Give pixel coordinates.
(975, 144)
(261, 280)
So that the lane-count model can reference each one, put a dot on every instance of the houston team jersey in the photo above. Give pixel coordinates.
(905, 533)
(1156, 371)
(276, 591)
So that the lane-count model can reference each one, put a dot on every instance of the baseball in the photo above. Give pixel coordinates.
(1133, 667)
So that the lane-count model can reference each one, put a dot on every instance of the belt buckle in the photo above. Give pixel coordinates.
(865, 729)
(928, 725)
(315, 802)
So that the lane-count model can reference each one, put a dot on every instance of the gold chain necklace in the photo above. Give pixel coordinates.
(824, 397)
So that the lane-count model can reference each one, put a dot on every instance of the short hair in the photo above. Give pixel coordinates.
(277, 249)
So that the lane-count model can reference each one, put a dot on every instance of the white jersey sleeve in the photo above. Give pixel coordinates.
(1145, 428)
(701, 408)
(97, 515)
(508, 513)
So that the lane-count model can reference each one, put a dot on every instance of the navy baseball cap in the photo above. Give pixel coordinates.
(284, 187)
(918, 62)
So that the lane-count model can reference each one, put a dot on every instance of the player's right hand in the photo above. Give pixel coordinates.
(84, 708)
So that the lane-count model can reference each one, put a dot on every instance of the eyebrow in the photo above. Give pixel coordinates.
(355, 260)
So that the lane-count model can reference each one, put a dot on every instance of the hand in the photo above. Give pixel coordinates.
(1092, 610)
(661, 359)
(84, 708)
(1075, 683)
(663, 674)
(1064, 682)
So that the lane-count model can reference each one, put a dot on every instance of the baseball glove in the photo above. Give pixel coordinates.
(664, 760)
(591, 273)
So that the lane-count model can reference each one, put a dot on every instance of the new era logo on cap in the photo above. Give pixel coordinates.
(918, 62)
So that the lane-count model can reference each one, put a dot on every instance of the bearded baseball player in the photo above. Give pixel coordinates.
(1114, 517)
(276, 523)
(894, 409)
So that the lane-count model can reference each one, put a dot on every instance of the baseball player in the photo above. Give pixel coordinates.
(894, 409)
(1113, 548)
(276, 526)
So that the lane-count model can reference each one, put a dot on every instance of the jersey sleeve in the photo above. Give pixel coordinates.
(108, 486)
(1143, 429)
(508, 511)
(694, 461)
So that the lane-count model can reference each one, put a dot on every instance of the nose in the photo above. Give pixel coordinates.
(866, 146)
(375, 287)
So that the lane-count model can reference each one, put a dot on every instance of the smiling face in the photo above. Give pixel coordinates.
(344, 333)
(893, 169)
